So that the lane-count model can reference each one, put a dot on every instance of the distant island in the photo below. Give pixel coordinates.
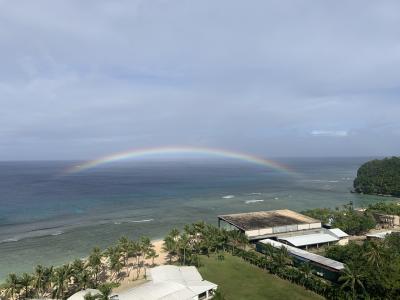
(379, 177)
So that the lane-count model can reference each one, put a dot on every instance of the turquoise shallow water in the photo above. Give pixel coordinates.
(50, 219)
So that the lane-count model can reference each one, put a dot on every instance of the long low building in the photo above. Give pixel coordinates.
(263, 224)
(322, 266)
(171, 283)
(314, 238)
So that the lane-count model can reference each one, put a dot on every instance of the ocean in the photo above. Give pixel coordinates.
(50, 217)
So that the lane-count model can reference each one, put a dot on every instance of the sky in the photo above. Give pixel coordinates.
(83, 79)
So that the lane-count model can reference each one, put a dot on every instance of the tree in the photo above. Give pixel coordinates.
(379, 177)
(307, 270)
(152, 254)
(26, 282)
(282, 257)
(170, 246)
(94, 263)
(183, 245)
(13, 286)
(115, 260)
(374, 254)
(124, 245)
(105, 290)
(42, 279)
(145, 246)
(61, 277)
(352, 280)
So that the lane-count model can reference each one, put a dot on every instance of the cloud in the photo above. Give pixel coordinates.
(83, 79)
(332, 133)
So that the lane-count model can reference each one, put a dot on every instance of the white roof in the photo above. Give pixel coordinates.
(170, 283)
(307, 255)
(81, 294)
(309, 239)
(183, 275)
(379, 235)
(338, 232)
(158, 291)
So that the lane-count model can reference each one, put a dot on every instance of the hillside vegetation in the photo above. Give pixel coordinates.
(379, 177)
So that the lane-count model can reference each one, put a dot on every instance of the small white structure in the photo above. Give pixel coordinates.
(171, 283)
(81, 294)
(341, 235)
(378, 235)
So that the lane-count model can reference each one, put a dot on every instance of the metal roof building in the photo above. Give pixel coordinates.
(322, 266)
(263, 224)
(171, 283)
(309, 239)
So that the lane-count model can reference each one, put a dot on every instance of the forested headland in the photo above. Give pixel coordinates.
(379, 177)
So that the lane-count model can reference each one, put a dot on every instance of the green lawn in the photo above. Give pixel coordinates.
(238, 279)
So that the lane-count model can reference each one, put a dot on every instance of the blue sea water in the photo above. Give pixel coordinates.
(48, 217)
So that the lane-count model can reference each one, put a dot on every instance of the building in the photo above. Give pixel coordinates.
(265, 224)
(171, 283)
(314, 238)
(378, 235)
(325, 267)
(385, 220)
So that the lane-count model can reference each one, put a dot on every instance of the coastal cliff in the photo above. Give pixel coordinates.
(379, 177)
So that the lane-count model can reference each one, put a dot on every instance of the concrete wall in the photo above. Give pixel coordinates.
(315, 225)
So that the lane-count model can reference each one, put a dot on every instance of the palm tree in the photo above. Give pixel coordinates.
(133, 250)
(183, 244)
(374, 254)
(116, 260)
(61, 277)
(351, 279)
(235, 237)
(39, 280)
(307, 270)
(89, 296)
(170, 247)
(26, 281)
(152, 254)
(13, 286)
(105, 291)
(77, 269)
(282, 257)
(145, 246)
(124, 245)
(94, 262)
(84, 279)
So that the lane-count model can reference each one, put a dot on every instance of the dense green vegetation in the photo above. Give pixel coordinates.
(390, 208)
(225, 257)
(373, 268)
(347, 219)
(379, 177)
(238, 279)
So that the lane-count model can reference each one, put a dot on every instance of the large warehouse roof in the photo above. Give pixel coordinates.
(267, 219)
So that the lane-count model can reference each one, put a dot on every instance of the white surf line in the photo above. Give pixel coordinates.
(254, 201)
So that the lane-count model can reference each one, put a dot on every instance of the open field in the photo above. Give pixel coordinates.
(239, 280)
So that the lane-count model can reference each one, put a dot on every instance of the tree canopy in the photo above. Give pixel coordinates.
(379, 177)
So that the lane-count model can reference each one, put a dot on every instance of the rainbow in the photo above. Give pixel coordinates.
(180, 150)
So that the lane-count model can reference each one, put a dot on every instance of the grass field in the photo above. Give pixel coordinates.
(240, 280)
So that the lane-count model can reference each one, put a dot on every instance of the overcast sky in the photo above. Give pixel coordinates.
(82, 79)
